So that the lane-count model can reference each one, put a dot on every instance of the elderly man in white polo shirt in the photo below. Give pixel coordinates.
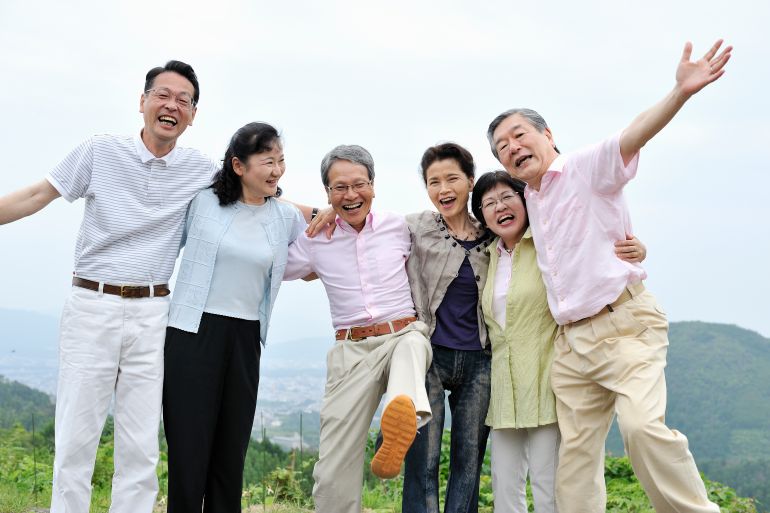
(136, 190)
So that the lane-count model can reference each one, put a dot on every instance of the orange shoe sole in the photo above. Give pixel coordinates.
(399, 427)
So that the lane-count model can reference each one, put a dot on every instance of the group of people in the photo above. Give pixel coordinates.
(529, 309)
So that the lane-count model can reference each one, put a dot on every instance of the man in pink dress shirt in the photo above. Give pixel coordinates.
(610, 351)
(381, 347)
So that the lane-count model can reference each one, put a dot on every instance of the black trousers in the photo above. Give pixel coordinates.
(209, 398)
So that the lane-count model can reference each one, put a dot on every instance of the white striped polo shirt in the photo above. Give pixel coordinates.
(135, 206)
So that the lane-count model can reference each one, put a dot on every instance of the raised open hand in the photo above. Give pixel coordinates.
(692, 76)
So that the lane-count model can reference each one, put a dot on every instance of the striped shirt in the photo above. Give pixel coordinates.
(135, 206)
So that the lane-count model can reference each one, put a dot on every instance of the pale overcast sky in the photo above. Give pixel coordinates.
(397, 77)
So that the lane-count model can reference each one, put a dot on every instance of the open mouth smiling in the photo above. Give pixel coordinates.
(352, 206)
(505, 219)
(521, 160)
(167, 120)
(446, 202)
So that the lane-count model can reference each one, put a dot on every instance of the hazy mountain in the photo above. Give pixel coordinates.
(718, 379)
(28, 348)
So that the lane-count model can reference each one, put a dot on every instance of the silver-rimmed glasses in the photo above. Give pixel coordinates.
(507, 198)
(161, 94)
(342, 189)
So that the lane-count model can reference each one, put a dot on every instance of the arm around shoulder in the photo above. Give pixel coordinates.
(26, 201)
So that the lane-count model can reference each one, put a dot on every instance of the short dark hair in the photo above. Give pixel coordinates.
(532, 116)
(444, 151)
(178, 67)
(248, 140)
(489, 181)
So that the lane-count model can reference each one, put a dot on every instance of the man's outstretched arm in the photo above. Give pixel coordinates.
(26, 201)
(691, 77)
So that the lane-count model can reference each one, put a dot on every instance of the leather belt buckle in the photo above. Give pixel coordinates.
(130, 291)
(349, 335)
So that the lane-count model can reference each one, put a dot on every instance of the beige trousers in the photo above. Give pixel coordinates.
(358, 374)
(613, 363)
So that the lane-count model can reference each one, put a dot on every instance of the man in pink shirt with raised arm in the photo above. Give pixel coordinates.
(610, 351)
(381, 347)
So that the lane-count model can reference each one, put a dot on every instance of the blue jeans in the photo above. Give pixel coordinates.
(466, 375)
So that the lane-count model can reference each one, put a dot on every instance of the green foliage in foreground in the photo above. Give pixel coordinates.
(20, 403)
(26, 470)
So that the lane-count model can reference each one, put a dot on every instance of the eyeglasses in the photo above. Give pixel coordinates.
(161, 94)
(508, 199)
(342, 189)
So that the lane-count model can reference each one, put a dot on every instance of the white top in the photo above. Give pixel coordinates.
(135, 206)
(242, 267)
(502, 279)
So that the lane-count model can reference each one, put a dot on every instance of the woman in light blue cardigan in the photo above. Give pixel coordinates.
(237, 238)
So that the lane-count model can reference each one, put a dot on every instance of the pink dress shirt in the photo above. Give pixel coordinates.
(364, 273)
(576, 217)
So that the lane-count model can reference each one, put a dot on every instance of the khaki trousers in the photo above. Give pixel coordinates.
(358, 374)
(614, 362)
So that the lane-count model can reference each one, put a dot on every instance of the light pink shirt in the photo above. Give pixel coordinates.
(576, 217)
(364, 273)
(502, 279)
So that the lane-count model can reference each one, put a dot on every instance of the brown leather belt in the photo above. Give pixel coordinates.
(624, 296)
(126, 291)
(356, 333)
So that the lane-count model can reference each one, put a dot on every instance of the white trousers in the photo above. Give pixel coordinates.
(109, 345)
(516, 452)
(358, 374)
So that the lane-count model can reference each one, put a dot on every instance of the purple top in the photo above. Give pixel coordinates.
(457, 324)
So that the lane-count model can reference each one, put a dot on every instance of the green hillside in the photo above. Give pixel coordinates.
(718, 379)
(19, 403)
(718, 384)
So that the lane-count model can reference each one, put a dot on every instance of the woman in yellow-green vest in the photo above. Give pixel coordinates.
(522, 408)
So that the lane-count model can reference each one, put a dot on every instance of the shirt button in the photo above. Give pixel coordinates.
(478, 278)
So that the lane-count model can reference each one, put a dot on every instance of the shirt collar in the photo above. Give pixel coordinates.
(145, 155)
(557, 166)
(499, 246)
(371, 220)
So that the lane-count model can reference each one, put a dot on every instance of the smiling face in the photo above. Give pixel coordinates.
(260, 174)
(504, 214)
(448, 187)
(351, 205)
(164, 120)
(525, 152)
